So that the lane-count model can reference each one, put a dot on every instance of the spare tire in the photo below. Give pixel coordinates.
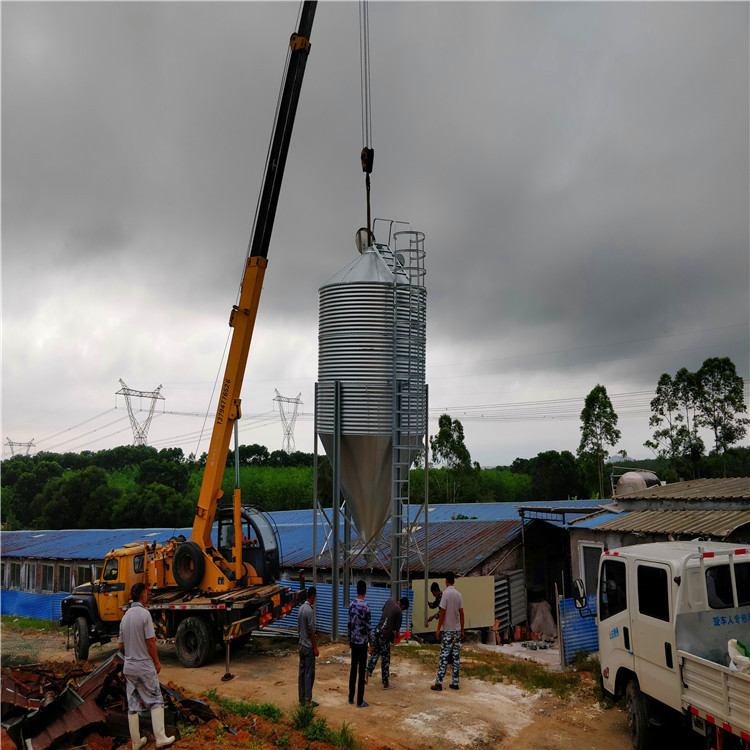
(188, 565)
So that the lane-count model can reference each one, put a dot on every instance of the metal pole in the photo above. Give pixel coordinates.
(315, 490)
(426, 500)
(347, 555)
(336, 512)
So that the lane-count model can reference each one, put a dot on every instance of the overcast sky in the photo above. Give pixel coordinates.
(580, 171)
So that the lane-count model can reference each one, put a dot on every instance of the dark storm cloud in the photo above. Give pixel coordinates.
(580, 171)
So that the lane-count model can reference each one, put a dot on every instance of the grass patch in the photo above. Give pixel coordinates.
(302, 715)
(229, 707)
(31, 623)
(317, 731)
(345, 738)
(492, 667)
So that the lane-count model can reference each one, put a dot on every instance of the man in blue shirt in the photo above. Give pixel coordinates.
(360, 635)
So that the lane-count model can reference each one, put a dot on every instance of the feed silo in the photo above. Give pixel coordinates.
(371, 339)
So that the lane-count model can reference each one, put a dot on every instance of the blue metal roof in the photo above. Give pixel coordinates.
(461, 535)
(594, 521)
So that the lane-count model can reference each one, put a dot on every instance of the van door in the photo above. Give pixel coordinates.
(613, 620)
(653, 632)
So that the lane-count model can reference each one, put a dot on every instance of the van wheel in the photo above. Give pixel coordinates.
(81, 638)
(188, 565)
(194, 642)
(638, 724)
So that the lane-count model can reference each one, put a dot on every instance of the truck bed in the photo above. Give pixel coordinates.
(175, 598)
(716, 693)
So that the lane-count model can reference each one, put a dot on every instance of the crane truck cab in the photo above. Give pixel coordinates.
(665, 614)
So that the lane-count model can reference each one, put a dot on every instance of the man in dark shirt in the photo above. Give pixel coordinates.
(360, 634)
(386, 633)
(437, 593)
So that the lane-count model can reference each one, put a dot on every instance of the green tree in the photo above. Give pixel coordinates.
(670, 436)
(721, 401)
(449, 450)
(688, 389)
(554, 476)
(598, 429)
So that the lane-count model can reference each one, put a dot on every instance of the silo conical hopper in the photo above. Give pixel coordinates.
(369, 326)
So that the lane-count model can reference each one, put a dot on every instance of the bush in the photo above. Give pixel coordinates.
(317, 731)
(302, 716)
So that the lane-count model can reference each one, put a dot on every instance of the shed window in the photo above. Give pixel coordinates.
(653, 592)
(589, 557)
(83, 574)
(63, 583)
(15, 575)
(612, 593)
(30, 582)
(48, 577)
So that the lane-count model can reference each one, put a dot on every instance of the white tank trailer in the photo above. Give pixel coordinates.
(372, 338)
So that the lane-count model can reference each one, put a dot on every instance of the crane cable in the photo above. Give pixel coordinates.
(368, 152)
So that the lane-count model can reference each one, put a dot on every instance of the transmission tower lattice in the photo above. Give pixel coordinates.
(139, 430)
(288, 419)
(14, 444)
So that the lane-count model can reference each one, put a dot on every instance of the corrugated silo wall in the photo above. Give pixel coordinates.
(578, 634)
(376, 597)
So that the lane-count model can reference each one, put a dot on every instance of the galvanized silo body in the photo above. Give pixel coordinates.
(372, 334)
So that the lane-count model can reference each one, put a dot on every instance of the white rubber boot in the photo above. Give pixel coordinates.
(157, 722)
(135, 732)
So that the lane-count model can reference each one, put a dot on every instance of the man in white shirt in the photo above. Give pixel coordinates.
(138, 643)
(451, 625)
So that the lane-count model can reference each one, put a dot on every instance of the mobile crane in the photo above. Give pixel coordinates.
(201, 593)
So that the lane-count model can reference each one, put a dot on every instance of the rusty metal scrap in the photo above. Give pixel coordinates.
(40, 704)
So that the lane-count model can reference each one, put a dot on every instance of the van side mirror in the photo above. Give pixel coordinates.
(579, 593)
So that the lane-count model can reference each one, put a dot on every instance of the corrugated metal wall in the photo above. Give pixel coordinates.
(376, 597)
(510, 599)
(579, 634)
(29, 604)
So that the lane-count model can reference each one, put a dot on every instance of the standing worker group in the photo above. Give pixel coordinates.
(386, 633)
(138, 643)
(360, 635)
(451, 624)
(308, 648)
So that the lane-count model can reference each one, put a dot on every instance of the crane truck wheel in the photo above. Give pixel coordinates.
(188, 565)
(81, 638)
(638, 722)
(194, 642)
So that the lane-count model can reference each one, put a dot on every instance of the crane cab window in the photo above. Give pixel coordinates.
(719, 586)
(110, 570)
(653, 592)
(138, 564)
(612, 591)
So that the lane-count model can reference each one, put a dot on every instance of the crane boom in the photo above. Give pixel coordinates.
(243, 315)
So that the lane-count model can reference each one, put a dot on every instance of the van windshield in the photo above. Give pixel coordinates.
(719, 585)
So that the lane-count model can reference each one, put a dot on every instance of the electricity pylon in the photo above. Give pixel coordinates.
(14, 444)
(139, 430)
(288, 420)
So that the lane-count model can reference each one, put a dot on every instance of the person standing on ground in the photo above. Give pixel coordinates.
(360, 635)
(386, 633)
(435, 603)
(308, 648)
(451, 619)
(138, 644)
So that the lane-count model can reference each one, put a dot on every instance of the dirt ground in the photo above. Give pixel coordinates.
(409, 717)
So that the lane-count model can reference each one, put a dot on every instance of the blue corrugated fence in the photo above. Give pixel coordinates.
(578, 633)
(376, 597)
(29, 604)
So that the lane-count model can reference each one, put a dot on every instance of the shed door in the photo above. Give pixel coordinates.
(653, 632)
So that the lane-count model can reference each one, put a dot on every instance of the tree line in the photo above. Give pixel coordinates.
(136, 486)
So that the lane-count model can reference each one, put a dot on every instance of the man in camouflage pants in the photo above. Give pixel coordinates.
(451, 623)
(386, 633)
